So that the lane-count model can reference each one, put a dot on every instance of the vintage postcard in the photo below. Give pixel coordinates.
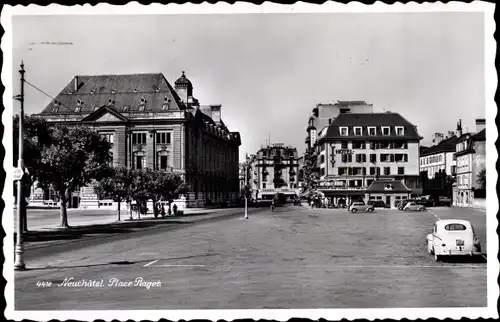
(242, 161)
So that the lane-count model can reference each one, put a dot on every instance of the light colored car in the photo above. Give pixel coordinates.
(452, 237)
(360, 206)
(413, 206)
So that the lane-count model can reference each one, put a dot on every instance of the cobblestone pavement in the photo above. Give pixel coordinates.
(292, 258)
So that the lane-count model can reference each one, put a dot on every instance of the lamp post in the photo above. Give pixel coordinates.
(19, 248)
(246, 192)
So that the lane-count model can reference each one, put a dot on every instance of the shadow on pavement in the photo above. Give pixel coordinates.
(80, 231)
(117, 263)
(475, 259)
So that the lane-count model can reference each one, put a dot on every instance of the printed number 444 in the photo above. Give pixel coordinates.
(43, 284)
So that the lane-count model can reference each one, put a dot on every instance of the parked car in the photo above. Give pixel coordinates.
(402, 204)
(360, 206)
(452, 237)
(377, 203)
(413, 206)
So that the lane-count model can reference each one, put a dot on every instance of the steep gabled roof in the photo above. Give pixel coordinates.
(447, 145)
(480, 136)
(364, 120)
(89, 92)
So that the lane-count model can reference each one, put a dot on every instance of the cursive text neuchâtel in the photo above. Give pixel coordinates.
(71, 282)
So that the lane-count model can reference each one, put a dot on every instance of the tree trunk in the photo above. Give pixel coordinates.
(155, 209)
(130, 209)
(63, 212)
(119, 202)
(139, 208)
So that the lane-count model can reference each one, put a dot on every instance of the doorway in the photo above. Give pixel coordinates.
(388, 201)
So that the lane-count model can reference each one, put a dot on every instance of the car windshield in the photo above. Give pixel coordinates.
(455, 227)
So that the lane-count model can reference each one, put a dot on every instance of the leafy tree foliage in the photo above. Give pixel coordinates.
(481, 179)
(311, 170)
(116, 185)
(75, 156)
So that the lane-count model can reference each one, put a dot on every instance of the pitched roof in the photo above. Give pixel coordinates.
(89, 92)
(480, 136)
(364, 120)
(383, 185)
(103, 110)
(447, 145)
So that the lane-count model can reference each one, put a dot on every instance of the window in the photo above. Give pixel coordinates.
(360, 158)
(455, 227)
(108, 136)
(344, 110)
(401, 170)
(142, 107)
(378, 171)
(400, 130)
(342, 171)
(263, 185)
(322, 171)
(344, 145)
(78, 109)
(372, 171)
(139, 160)
(55, 109)
(384, 157)
(357, 130)
(344, 131)
(399, 157)
(372, 130)
(138, 138)
(385, 130)
(322, 159)
(163, 161)
(163, 138)
(373, 158)
(110, 163)
(387, 171)
(358, 145)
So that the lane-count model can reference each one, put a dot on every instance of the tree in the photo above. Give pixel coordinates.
(36, 138)
(116, 186)
(311, 171)
(165, 186)
(481, 179)
(75, 156)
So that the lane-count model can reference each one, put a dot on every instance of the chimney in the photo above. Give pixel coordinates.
(451, 134)
(76, 83)
(480, 125)
(216, 113)
(459, 128)
(438, 137)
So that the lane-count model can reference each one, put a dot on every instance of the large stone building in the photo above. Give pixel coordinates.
(359, 148)
(471, 160)
(273, 170)
(151, 124)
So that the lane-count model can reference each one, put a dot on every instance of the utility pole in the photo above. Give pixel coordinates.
(19, 248)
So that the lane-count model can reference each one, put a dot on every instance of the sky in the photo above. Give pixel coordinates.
(270, 70)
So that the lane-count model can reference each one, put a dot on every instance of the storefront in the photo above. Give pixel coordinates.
(391, 192)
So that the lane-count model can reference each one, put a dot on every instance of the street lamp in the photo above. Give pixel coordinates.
(245, 190)
(19, 248)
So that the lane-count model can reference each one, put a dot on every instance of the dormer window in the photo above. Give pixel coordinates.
(136, 90)
(142, 108)
(78, 109)
(111, 102)
(55, 109)
(372, 130)
(157, 89)
(386, 130)
(400, 130)
(344, 130)
(357, 130)
(126, 108)
(70, 91)
(96, 108)
(113, 91)
(92, 91)
(164, 107)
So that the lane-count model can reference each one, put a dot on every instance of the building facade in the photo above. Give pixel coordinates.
(359, 148)
(440, 157)
(323, 114)
(152, 125)
(471, 160)
(274, 169)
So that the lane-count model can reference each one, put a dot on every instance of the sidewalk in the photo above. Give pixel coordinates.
(85, 228)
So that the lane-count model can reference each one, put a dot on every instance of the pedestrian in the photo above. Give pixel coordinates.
(175, 209)
(163, 210)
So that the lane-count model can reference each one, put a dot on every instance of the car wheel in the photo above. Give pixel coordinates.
(437, 258)
(354, 210)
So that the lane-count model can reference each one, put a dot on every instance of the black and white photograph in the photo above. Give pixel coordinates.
(225, 161)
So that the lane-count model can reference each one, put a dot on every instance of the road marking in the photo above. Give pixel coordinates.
(434, 215)
(150, 263)
(411, 266)
(180, 265)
